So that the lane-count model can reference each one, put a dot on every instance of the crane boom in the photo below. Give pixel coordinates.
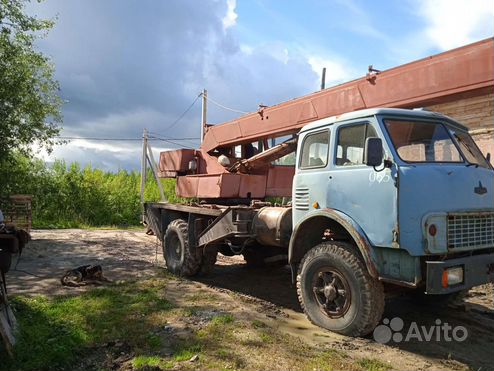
(458, 71)
(218, 171)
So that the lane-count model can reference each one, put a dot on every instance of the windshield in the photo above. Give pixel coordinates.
(421, 141)
(469, 149)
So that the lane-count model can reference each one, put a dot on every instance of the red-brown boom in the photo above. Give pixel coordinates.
(462, 72)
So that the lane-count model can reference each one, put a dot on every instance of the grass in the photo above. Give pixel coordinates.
(373, 365)
(183, 354)
(222, 319)
(258, 324)
(148, 361)
(55, 333)
(79, 332)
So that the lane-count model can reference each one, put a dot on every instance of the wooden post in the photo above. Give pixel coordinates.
(204, 113)
(323, 79)
(143, 169)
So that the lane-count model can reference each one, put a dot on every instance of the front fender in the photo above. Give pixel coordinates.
(301, 241)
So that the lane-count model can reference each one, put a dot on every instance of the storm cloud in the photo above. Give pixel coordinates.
(125, 66)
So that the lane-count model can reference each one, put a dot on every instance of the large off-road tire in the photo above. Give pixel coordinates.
(337, 292)
(179, 258)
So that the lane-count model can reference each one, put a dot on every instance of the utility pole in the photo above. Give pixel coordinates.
(323, 79)
(148, 157)
(154, 168)
(204, 113)
(143, 169)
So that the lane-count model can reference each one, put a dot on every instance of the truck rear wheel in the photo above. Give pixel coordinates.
(337, 292)
(179, 258)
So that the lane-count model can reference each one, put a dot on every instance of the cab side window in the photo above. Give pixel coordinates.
(315, 150)
(351, 142)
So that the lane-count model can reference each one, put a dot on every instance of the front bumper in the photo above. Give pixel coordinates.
(477, 270)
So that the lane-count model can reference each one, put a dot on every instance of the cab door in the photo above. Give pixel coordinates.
(310, 182)
(368, 195)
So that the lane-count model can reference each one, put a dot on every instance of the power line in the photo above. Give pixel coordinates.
(225, 107)
(191, 141)
(155, 135)
(167, 140)
(184, 113)
(172, 142)
(125, 139)
(95, 138)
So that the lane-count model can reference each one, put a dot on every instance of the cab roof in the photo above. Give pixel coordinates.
(416, 113)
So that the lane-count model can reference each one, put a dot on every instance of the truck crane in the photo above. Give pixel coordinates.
(380, 197)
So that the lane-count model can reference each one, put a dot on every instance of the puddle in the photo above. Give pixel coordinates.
(298, 325)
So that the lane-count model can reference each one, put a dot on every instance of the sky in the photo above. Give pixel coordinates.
(126, 65)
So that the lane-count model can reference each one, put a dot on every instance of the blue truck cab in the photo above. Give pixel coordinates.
(402, 197)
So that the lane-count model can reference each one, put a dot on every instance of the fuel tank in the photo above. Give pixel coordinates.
(273, 226)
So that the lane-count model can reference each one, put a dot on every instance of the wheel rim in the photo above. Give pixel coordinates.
(174, 248)
(332, 292)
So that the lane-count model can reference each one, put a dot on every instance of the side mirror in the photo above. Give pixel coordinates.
(488, 157)
(373, 152)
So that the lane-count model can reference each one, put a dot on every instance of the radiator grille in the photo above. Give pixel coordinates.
(302, 198)
(471, 230)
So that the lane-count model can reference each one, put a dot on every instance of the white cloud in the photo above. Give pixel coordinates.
(230, 19)
(361, 20)
(110, 155)
(101, 146)
(105, 155)
(336, 72)
(145, 76)
(277, 50)
(452, 23)
(246, 49)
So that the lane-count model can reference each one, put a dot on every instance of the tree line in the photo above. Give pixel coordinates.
(71, 196)
(64, 195)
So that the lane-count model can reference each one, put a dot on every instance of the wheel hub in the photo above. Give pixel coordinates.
(332, 292)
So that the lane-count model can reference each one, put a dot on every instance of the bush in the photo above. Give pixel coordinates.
(68, 196)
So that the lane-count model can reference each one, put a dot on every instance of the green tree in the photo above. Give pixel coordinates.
(29, 100)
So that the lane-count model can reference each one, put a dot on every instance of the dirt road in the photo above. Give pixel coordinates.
(266, 294)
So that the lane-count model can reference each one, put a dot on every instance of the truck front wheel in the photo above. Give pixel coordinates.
(336, 291)
(179, 259)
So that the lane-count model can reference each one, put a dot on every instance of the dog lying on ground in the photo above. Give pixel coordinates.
(84, 275)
